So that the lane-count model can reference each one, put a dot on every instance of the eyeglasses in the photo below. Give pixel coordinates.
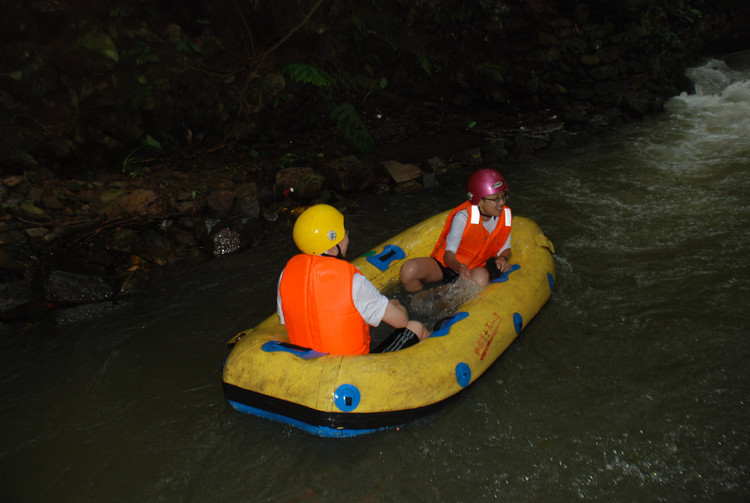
(503, 197)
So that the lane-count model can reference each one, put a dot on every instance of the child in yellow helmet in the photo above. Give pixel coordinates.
(326, 303)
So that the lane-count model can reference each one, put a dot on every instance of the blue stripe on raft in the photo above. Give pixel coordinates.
(304, 353)
(504, 276)
(321, 431)
(447, 323)
(383, 259)
(518, 322)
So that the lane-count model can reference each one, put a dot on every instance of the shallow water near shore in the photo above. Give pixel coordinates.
(631, 384)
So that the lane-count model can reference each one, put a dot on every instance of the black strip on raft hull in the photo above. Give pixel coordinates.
(334, 420)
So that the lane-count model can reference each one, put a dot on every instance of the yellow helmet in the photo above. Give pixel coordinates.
(318, 228)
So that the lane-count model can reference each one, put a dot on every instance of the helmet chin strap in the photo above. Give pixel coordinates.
(483, 213)
(474, 210)
(338, 253)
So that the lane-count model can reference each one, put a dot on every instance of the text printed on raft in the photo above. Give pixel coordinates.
(482, 344)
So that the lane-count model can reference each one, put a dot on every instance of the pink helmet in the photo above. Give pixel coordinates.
(484, 182)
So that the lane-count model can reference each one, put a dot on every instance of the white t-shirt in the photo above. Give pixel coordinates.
(456, 232)
(368, 300)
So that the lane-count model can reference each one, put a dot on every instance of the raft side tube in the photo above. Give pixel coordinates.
(298, 415)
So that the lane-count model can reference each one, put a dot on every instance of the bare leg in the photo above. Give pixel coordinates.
(417, 271)
(480, 276)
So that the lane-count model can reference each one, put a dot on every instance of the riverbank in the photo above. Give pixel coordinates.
(78, 242)
(170, 143)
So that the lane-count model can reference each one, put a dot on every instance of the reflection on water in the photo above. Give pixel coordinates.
(630, 385)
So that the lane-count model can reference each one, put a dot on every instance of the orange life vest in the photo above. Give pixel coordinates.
(319, 312)
(477, 245)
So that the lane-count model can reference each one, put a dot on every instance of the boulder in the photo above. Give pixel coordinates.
(347, 174)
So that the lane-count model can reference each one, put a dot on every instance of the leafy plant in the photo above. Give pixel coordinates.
(424, 64)
(307, 74)
(344, 115)
(355, 130)
(362, 83)
(287, 160)
(186, 45)
(492, 70)
(149, 145)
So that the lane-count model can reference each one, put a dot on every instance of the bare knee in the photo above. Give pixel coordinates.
(480, 276)
(409, 276)
(407, 270)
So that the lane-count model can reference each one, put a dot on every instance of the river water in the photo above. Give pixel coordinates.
(630, 385)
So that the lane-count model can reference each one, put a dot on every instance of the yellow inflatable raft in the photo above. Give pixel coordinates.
(343, 396)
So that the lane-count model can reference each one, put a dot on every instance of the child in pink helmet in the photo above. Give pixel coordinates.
(475, 241)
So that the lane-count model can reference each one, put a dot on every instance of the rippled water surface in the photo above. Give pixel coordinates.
(630, 385)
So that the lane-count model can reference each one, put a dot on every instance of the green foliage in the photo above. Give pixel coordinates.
(666, 18)
(495, 8)
(362, 84)
(287, 160)
(308, 74)
(186, 45)
(150, 146)
(344, 115)
(491, 70)
(355, 130)
(428, 65)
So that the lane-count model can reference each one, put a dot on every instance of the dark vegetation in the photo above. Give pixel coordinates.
(136, 133)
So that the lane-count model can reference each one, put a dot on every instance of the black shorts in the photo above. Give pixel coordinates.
(401, 338)
(449, 275)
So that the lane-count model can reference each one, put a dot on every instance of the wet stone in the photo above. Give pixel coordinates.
(402, 172)
(30, 213)
(434, 165)
(220, 202)
(154, 242)
(13, 181)
(247, 206)
(10, 257)
(182, 238)
(74, 314)
(299, 182)
(123, 240)
(110, 195)
(347, 174)
(52, 202)
(14, 294)
(249, 231)
(224, 242)
(69, 288)
(36, 232)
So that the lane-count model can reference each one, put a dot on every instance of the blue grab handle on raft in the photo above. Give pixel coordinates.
(383, 259)
(463, 374)
(304, 353)
(504, 276)
(447, 323)
(347, 397)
